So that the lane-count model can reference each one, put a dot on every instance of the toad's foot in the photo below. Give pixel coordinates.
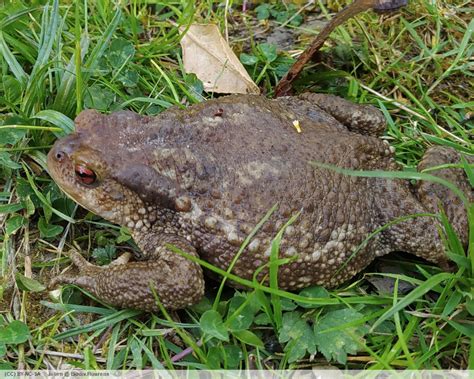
(70, 278)
(359, 118)
(177, 281)
(85, 268)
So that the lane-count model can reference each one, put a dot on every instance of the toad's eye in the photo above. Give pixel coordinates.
(85, 175)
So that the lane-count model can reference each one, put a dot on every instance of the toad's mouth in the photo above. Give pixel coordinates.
(83, 198)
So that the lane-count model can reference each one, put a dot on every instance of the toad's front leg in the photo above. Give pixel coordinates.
(177, 281)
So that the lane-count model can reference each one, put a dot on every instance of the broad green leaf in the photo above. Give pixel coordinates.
(248, 60)
(48, 230)
(98, 97)
(11, 88)
(128, 78)
(232, 356)
(11, 136)
(289, 14)
(228, 357)
(214, 357)
(293, 326)
(283, 64)
(28, 284)
(240, 318)
(203, 305)
(14, 333)
(6, 161)
(262, 319)
(211, 324)
(334, 340)
(29, 205)
(248, 337)
(315, 292)
(263, 11)
(23, 188)
(298, 334)
(10, 208)
(124, 235)
(120, 51)
(287, 304)
(104, 255)
(14, 223)
(268, 51)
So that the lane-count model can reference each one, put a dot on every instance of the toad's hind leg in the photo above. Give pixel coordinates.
(434, 195)
(358, 118)
(177, 281)
(420, 235)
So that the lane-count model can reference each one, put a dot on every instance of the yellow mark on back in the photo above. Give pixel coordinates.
(296, 124)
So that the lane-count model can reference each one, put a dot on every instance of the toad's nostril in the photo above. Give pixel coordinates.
(59, 156)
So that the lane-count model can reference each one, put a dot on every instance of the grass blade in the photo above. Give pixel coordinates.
(101, 323)
(15, 67)
(58, 119)
(413, 296)
(49, 31)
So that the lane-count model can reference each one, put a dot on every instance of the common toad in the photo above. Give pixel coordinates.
(201, 178)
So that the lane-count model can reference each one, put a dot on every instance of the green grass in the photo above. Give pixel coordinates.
(56, 58)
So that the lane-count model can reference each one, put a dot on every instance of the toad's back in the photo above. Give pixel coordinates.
(237, 144)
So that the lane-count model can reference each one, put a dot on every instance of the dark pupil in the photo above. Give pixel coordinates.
(86, 175)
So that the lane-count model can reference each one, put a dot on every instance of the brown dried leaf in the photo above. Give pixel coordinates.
(207, 54)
